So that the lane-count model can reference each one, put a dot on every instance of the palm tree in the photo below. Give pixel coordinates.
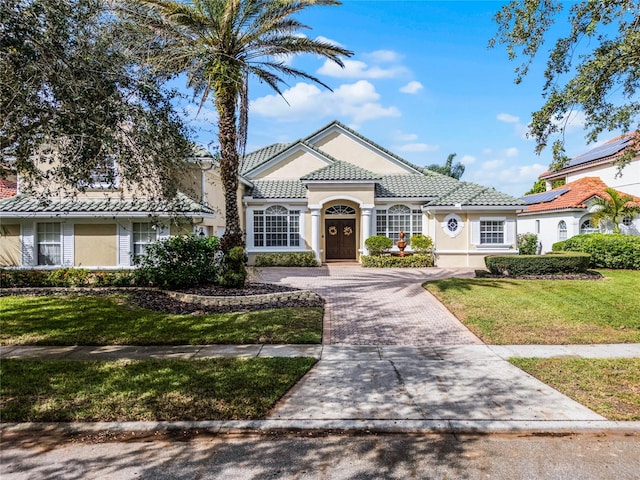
(614, 209)
(220, 44)
(449, 169)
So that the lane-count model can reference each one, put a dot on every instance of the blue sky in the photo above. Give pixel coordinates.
(422, 83)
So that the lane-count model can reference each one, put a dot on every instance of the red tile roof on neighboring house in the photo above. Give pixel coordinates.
(586, 159)
(575, 195)
(8, 188)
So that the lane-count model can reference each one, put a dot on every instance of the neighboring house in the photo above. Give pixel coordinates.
(329, 192)
(326, 194)
(599, 162)
(103, 227)
(565, 211)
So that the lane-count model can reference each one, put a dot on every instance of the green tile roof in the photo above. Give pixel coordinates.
(341, 171)
(471, 194)
(277, 189)
(263, 155)
(29, 204)
(410, 185)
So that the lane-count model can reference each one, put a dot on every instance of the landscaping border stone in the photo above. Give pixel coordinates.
(260, 299)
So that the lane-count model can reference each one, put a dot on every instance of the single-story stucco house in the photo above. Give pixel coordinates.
(326, 194)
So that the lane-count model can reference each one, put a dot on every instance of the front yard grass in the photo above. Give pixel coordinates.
(610, 387)
(111, 320)
(147, 390)
(511, 311)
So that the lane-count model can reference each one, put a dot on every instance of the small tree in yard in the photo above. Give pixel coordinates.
(528, 244)
(614, 209)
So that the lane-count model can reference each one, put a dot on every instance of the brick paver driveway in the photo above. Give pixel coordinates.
(367, 306)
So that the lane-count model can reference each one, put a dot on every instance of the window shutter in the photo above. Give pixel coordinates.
(67, 244)
(510, 232)
(475, 232)
(124, 244)
(28, 245)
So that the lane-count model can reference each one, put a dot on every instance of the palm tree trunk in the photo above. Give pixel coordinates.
(229, 162)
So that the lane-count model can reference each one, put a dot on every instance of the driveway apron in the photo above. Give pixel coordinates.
(392, 351)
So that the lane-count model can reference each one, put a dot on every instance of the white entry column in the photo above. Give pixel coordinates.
(315, 232)
(366, 227)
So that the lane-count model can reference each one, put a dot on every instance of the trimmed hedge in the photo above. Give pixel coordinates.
(68, 277)
(607, 250)
(390, 261)
(518, 265)
(291, 259)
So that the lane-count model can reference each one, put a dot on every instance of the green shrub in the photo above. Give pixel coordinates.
(378, 244)
(289, 259)
(66, 277)
(528, 244)
(179, 262)
(517, 265)
(421, 244)
(607, 250)
(391, 261)
(233, 273)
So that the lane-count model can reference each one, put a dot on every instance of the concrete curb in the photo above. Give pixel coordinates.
(365, 426)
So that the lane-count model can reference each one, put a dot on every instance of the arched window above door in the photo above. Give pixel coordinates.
(340, 210)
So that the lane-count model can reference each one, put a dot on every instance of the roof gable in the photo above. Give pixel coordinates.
(286, 162)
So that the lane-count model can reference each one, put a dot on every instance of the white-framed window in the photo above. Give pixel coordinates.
(587, 226)
(492, 232)
(562, 230)
(276, 226)
(452, 225)
(397, 218)
(105, 173)
(537, 226)
(49, 243)
(340, 210)
(143, 234)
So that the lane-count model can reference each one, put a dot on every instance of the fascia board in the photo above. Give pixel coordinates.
(284, 154)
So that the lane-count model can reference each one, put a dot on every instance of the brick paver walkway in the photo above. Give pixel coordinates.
(368, 306)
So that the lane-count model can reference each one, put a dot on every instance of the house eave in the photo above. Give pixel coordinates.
(61, 214)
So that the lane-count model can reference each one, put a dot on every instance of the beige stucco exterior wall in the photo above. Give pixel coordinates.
(293, 167)
(345, 148)
(10, 255)
(95, 244)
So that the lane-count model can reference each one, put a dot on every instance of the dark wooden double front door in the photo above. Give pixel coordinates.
(340, 239)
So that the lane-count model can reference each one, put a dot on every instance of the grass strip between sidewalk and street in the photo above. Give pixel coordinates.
(111, 320)
(146, 390)
(610, 387)
(546, 312)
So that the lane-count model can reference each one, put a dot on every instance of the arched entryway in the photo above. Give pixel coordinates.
(340, 232)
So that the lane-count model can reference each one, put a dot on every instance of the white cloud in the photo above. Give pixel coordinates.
(329, 40)
(467, 159)
(383, 56)
(417, 147)
(202, 116)
(574, 120)
(405, 137)
(357, 101)
(507, 118)
(358, 69)
(412, 87)
(511, 152)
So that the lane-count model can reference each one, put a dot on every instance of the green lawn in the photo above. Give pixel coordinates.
(505, 311)
(610, 387)
(96, 320)
(126, 390)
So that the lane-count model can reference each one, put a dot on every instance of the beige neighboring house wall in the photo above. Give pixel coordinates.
(95, 245)
(10, 251)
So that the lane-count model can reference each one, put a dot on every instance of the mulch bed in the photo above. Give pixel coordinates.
(563, 276)
(157, 300)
